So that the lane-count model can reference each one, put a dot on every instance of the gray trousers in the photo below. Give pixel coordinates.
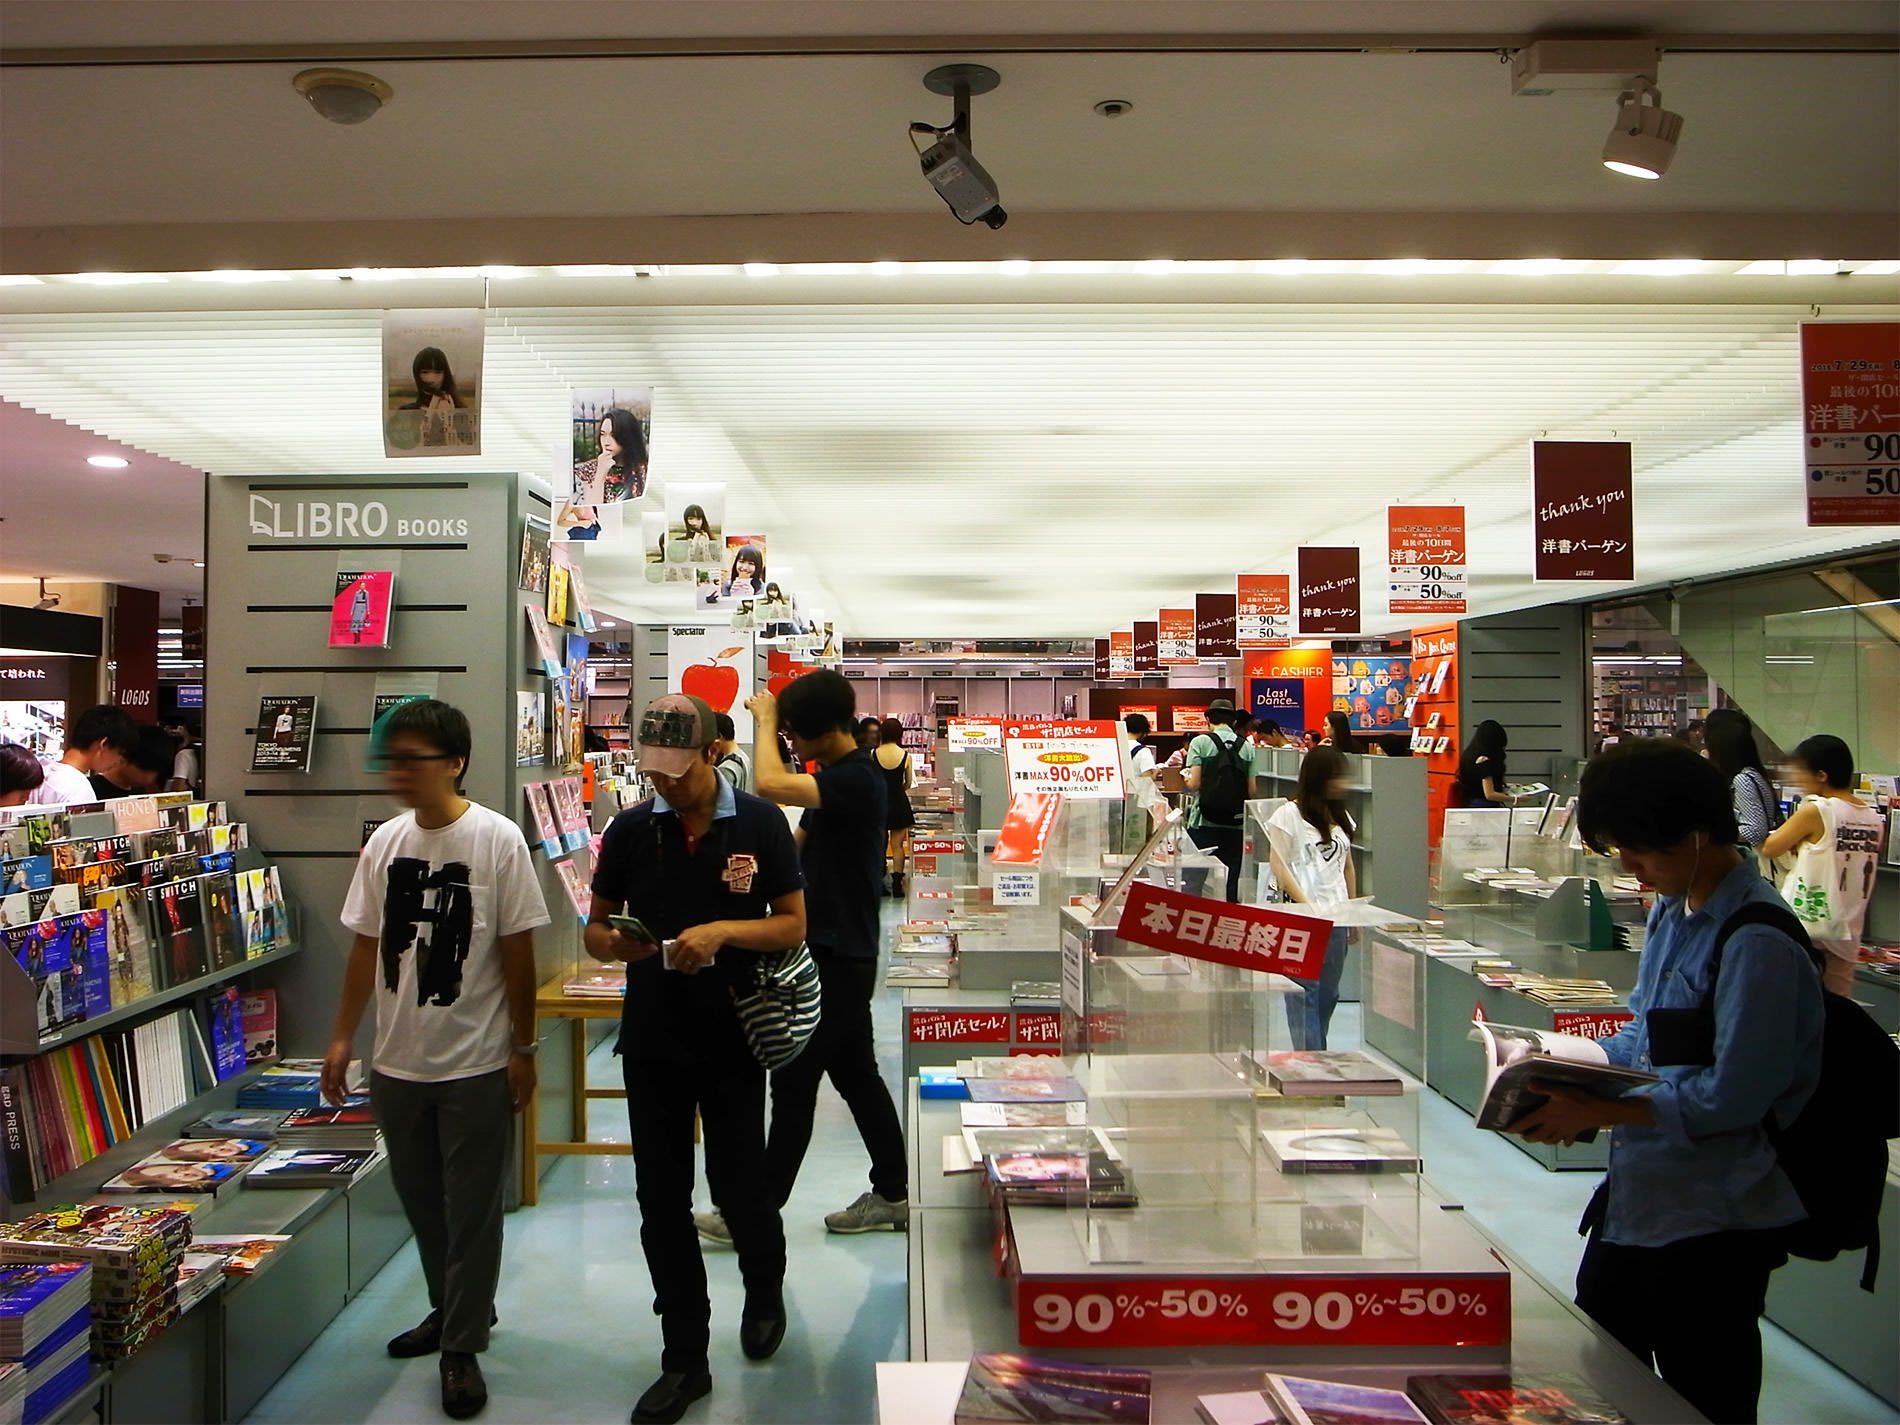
(448, 1147)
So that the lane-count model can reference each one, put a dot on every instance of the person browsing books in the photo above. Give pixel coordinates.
(841, 846)
(708, 877)
(1310, 850)
(444, 904)
(1220, 767)
(97, 741)
(1683, 1233)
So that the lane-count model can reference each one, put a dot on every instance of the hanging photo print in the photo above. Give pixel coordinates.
(653, 544)
(743, 573)
(611, 427)
(695, 515)
(777, 615)
(533, 572)
(432, 382)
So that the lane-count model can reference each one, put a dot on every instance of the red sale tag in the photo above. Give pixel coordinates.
(1288, 1309)
(1249, 936)
(938, 846)
(1038, 1026)
(954, 1026)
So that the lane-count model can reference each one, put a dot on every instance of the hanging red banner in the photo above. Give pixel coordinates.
(1147, 659)
(1582, 509)
(1850, 421)
(1264, 616)
(1121, 655)
(1214, 626)
(1174, 639)
(1425, 559)
(1329, 589)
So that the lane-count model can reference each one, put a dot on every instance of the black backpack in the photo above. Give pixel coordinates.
(1223, 783)
(1835, 1151)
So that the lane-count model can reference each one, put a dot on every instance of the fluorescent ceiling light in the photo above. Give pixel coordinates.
(597, 269)
(1014, 267)
(19, 279)
(507, 274)
(1766, 268)
(759, 269)
(406, 274)
(1813, 267)
(238, 275)
(1155, 267)
(115, 279)
(1660, 267)
(108, 462)
(886, 268)
(1283, 266)
(1884, 268)
(1534, 267)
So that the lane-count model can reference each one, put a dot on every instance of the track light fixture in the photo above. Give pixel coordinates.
(1642, 141)
(47, 601)
(963, 183)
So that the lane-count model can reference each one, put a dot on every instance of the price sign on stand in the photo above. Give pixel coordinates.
(1850, 403)
(1069, 759)
(1292, 1309)
(969, 734)
(1017, 888)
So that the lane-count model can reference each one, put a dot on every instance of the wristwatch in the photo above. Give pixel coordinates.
(529, 1049)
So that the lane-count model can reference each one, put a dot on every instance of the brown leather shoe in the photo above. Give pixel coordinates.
(464, 1392)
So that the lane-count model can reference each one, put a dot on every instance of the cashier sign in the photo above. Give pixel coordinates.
(1250, 936)
(1071, 759)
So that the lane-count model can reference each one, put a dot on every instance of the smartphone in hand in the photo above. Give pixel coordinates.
(633, 928)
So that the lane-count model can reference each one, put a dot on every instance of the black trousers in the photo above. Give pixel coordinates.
(1224, 842)
(661, 1100)
(448, 1144)
(842, 1047)
(1690, 1311)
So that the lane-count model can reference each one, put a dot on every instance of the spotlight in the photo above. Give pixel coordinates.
(963, 183)
(1642, 141)
(343, 96)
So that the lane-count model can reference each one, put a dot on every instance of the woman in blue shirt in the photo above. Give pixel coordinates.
(1685, 1230)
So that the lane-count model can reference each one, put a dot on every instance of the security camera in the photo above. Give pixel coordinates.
(963, 183)
(343, 96)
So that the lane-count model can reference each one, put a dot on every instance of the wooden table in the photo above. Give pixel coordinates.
(550, 1002)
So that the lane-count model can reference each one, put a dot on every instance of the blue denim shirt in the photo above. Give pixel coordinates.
(1706, 1165)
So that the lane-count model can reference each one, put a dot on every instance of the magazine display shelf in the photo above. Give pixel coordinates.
(959, 1306)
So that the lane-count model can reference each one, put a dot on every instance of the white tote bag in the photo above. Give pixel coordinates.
(1811, 886)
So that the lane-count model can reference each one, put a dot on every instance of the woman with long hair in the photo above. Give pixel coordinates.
(436, 396)
(619, 472)
(20, 775)
(1310, 841)
(747, 575)
(1728, 740)
(699, 535)
(1339, 733)
(1480, 777)
(894, 762)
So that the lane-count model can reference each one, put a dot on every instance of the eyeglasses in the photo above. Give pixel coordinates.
(391, 761)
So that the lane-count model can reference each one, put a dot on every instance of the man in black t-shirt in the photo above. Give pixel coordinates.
(841, 847)
(711, 874)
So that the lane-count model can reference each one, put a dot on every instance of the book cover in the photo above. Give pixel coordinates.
(357, 1113)
(531, 716)
(251, 1123)
(135, 814)
(26, 873)
(1237, 1407)
(570, 811)
(178, 919)
(46, 903)
(1339, 1150)
(1026, 1091)
(309, 1167)
(240, 1253)
(286, 733)
(557, 594)
(1024, 1115)
(258, 1013)
(544, 646)
(1008, 1387)
(541, 814)
(91, 949)
(574, 882)
(1038, 1169)
(1511, 1400)
(1514, 1056)
(224, 936)
(359, 614)
(1020, 1066)
(531, 575)
(1326, 1072)
(1304, 1401)
(172, 1176)
(226, 1016)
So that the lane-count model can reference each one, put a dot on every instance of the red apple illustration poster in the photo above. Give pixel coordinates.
(712, 662)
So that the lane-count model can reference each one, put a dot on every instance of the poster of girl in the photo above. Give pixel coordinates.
(610, 432)
(694, 516)
(432, 380)
(745, 566)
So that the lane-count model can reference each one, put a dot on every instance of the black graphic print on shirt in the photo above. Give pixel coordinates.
(442, 902)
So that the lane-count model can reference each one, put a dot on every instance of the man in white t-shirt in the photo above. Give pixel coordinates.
(443, 906)
(97, 741)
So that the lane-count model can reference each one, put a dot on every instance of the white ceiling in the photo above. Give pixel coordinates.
(1035, 468)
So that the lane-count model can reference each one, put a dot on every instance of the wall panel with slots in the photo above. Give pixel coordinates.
(459, 626)
(1526, 670)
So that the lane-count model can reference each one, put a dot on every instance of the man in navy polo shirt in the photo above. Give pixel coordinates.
(712, 874)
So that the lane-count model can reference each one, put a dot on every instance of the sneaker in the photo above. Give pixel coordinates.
(871, 1213)
(712, 1228)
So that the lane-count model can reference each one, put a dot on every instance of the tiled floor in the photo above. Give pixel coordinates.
(577, 1341)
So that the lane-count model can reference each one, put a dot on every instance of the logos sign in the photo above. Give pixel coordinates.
(1850, 421)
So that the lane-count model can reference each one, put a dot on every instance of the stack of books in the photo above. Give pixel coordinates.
(351, 1125)
(45, 1331)
(261, 1123)
(134, 1253)
(189, 1167)
(598, 983)
(1327, 1073)
(294, 1084)
(1021, 1078)
(1371, 1148)
(239, 1254)
(1003, 1387)
(311, 1167)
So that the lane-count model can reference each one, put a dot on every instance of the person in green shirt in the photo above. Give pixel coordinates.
(1220, 771)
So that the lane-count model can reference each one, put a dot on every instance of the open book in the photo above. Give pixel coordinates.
(1514, 1056)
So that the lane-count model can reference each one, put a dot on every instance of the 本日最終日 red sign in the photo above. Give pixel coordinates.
(1250, 936)
(1850, 421)
(1582, 509)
